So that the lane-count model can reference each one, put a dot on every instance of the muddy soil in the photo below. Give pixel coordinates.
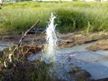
(99, 45)
(35, 43)
(64, 40)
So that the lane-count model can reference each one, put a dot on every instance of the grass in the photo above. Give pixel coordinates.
(71, 16)
(21, 69)
(26, 71)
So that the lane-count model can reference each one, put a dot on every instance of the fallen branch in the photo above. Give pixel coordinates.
(20, 42)
(21, 39)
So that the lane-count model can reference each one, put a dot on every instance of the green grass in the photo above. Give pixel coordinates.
(71, 16)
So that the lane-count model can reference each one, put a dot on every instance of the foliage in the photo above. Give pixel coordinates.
(26, 71)
(20, 69)
(71, 16)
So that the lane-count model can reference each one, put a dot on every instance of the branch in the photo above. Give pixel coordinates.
(23, 36)
(21, 39)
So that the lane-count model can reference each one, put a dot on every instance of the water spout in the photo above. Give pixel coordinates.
(51, 41)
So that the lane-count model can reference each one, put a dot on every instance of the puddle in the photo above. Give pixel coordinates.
(96, 63)
(4, 45)
(92, 62)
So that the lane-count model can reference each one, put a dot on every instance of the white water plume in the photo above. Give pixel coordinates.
(51, 41)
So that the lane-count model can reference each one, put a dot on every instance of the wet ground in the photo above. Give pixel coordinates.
(4, 45)
(96, 63)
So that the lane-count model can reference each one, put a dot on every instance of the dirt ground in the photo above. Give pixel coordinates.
(64, 40)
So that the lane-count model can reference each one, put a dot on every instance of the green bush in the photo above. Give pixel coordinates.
(71, 16)
(71, 20)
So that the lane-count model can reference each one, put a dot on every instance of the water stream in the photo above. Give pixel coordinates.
(96, 63)
(4, 45)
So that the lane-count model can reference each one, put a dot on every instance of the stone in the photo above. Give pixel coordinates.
(79, 74)
(66, 43)
(82, 75)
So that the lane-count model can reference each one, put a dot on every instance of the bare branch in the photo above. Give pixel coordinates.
(20, 41)
(23, 36)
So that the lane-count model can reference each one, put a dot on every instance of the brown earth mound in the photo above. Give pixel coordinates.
(99, 45)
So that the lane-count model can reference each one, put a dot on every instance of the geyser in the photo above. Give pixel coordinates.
(51, 41)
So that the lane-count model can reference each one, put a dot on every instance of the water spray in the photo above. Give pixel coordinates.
(51, 41)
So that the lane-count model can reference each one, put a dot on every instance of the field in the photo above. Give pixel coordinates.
(78, 53)
(71, 16)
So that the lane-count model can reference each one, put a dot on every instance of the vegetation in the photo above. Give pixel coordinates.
(71, 16)
(21, 69)
(26, 71)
